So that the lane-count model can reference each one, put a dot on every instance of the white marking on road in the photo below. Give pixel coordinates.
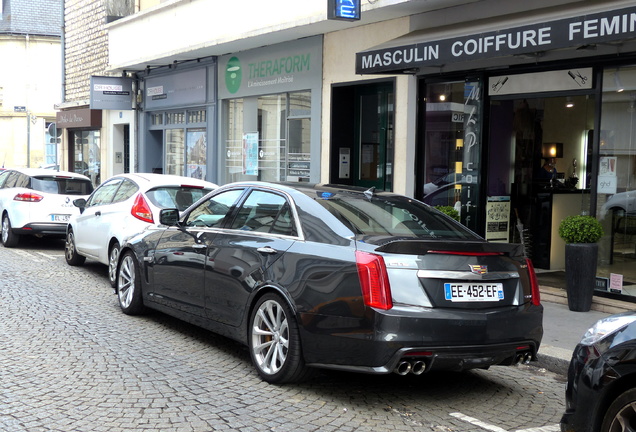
(28, 255)
(51, 256)
(481, 424)
(548, 428)
(477, 422)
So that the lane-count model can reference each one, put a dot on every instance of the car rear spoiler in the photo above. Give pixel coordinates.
(423, 247)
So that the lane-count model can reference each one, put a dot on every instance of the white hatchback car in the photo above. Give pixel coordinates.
(38, 202)
(122, 206)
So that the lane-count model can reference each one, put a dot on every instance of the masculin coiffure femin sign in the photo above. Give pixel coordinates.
(579, 31)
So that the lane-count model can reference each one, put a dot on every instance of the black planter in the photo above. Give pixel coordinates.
(580, 275)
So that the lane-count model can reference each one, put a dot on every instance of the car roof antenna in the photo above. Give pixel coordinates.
(369, 192)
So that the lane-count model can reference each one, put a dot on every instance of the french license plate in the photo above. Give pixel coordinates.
(60, 218)
(477, 292)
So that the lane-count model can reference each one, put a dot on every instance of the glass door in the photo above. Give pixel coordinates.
(373, 153)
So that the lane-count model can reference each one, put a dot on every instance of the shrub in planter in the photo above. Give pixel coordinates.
(449, 211)
(580, 229)
(580, 234)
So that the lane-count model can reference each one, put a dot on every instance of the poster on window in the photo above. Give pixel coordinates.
(250, 153)
(607, 175)
(196, 149)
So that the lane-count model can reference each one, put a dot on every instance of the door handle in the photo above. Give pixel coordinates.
(98, 213)
(267, 250)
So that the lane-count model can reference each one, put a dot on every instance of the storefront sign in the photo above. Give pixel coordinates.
(569, 79)
(80, 118)
(347, 10)
(111, 93)
(472, 153)
(279, 68)
(176, 89)
(584, 30)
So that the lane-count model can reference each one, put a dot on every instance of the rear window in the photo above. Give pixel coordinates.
(61, 185)
(176, 197)
(394, 216)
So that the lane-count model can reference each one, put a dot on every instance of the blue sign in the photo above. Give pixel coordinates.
(348, 10)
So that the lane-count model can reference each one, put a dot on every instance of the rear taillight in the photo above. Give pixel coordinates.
(141, 210)
(534, 283)
(29, 197)
(374, 280)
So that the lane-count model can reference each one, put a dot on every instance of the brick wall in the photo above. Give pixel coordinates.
(86, 44)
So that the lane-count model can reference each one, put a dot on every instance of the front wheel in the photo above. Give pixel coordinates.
(274, 341)
(70, 251)
(9, 239)
(621, 415)
(129, 285)
(113, 260)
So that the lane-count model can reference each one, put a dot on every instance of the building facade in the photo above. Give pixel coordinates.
(30, 81)
(516, 114)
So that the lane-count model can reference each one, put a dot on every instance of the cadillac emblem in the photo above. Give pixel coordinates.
(478, 269)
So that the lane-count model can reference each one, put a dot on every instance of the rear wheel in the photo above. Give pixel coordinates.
(9, 239)
(621, 415)
(70, 251)
(113, 260)
(129, 286)
(274, 341)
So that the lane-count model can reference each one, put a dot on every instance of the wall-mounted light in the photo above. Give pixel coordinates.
(617, 81)
(552, 150)
(442, 97)
(568, 102)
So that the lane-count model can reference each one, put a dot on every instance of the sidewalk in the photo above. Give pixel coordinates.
(563, 328)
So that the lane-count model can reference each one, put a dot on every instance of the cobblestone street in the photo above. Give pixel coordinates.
(71, 361)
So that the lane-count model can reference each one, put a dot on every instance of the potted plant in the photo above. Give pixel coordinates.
(580, 233)
(449, 211)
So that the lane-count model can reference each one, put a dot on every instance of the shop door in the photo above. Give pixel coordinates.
(539, 161)
(373, 152)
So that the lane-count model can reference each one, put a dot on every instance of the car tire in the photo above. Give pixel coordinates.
(70, 251)
(129, 285)
(113, 261)
(9, 238)
(621, 413)
(274, 341)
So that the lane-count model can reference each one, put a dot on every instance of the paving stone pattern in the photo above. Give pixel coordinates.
(71, 361)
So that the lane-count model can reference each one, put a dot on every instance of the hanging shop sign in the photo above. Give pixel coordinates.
(583, 30)
(347, 10)
(111, 93)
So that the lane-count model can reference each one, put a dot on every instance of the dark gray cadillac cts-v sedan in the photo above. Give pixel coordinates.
(328, 276)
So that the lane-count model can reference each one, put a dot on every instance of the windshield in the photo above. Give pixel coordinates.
(394, 216)
(61, 185)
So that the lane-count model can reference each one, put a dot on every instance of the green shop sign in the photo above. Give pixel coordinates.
(273, 69)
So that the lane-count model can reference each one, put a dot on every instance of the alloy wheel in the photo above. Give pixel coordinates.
(270, 337)
(126, 282)
(625, 419)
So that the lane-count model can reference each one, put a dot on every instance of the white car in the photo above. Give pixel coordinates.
(38, 202)
(122, 206)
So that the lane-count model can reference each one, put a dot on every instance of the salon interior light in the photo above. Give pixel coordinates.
(617, 81)
(568, 102)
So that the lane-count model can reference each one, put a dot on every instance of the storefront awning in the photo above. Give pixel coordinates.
(604, 32)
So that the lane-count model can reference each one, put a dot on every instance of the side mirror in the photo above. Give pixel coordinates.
(80, 203)
(169, 217)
